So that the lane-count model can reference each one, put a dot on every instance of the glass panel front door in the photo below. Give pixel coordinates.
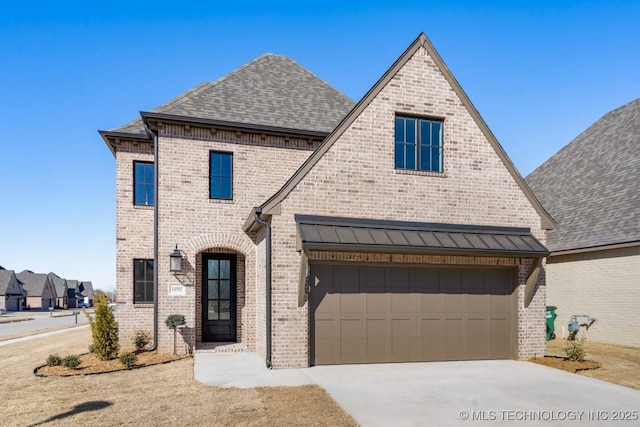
(219, 298)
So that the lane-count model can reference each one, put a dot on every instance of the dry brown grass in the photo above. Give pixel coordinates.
(161, 395)
(618, 365)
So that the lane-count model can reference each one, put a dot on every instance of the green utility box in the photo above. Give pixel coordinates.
(551, 317)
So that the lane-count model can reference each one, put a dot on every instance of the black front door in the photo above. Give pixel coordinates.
(218, 298)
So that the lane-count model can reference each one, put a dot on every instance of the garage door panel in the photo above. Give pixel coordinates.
(478, 304)
(455, 303)
(402, 340)
(401, 303)
(433, 303)
(473, 282)
(377, 314)
(354, 302)
(478, 337)
(352, 340)
(346, 277)
(427, 281)
(377, 303)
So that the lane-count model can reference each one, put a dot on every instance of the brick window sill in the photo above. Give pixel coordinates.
(142, 305)
(420, 173)
(221, 201)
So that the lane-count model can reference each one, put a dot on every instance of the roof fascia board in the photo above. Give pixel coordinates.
(596, 248)
(421, 42)
(150, 117)
(109, 138)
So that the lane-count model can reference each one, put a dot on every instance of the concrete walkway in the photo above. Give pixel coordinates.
(476, 393)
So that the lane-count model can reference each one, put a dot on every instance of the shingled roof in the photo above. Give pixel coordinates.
(592, 185)
(59, 283)
(271, 90)
(33, 283)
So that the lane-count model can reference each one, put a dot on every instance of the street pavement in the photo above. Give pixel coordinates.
(28, 322)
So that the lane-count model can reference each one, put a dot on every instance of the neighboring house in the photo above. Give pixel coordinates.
(315, 231)
(592, 188)
(60, 284)
(12, 294)
(41, 293)
(72, 293)
(85, 290)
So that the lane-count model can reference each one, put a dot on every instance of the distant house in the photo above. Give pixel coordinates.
(12, 294)
(60, 285)
(85, 289)
(72, 289)
(41, 293)
(592, 188)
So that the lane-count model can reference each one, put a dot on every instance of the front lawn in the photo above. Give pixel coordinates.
(160, 395)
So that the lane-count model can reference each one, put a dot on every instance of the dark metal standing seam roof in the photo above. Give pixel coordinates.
(365, 235)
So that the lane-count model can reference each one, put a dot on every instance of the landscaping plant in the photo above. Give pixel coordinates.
(54, 360)
(71, 362)
(104, 329)
(173, 321)
(141, 339)
(128, 359)
(575, 350)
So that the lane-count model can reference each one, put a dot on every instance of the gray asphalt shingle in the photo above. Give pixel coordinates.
(591, 187)
(271, 90)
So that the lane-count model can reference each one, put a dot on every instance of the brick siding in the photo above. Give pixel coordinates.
(602, 284)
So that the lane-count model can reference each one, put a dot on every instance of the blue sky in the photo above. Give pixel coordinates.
(539, 72)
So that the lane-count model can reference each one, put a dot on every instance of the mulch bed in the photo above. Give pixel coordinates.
(565, 364)
(91, 365)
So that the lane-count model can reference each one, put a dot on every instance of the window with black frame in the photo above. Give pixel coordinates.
(220, 175)
(143, 281)
(143, 184)
(418, 144)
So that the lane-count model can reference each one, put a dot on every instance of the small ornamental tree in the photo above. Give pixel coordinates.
(173, 321)
(104, 329)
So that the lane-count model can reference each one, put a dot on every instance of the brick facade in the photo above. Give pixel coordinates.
(602, 284)
(354, 178)
(197, 224)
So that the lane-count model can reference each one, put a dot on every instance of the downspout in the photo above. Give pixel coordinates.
(267, 226)
(154, 136)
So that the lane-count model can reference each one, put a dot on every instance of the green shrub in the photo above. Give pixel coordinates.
(71, 362)
(92, 348)
(104, 329)
(54, 360)
(128, 359)
(575, 350)
(141, 339)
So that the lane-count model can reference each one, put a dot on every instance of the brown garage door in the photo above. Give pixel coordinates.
(369, 314)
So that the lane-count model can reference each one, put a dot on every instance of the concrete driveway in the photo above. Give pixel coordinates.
(477, 393)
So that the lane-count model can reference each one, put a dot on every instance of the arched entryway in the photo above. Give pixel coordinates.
(220, 296)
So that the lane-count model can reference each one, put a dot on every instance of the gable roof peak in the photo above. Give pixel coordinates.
(421, 43)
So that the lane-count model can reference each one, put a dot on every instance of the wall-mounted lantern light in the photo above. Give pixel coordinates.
(175, 261)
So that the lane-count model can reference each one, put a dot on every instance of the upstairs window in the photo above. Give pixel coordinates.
(220, 175)
(143, 281)
(143, 183)
(418, 144)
